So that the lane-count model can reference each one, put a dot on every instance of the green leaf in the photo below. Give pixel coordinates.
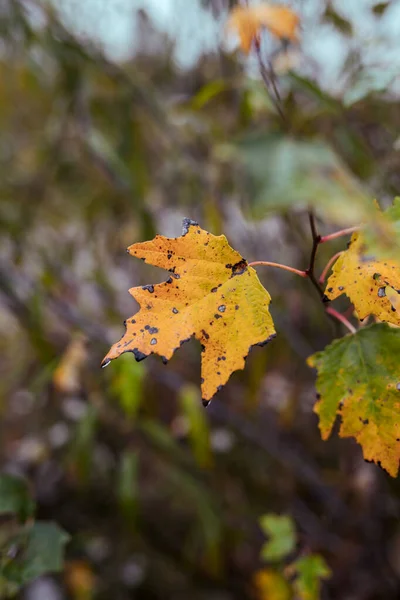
(127, 384)
(282, 536)
(15, 497)
(39, 549)
(380, 8)
(310, 570)
(359, 380)
(382, 233)
(198, 425)
(127, 484)
(294, 173)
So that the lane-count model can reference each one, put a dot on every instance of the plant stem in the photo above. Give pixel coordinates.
(266, 263)
(337, 234)
(328, 266)
(316, 241)
(268, 77)
(334, 313)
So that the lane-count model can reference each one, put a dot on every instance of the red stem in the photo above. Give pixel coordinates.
(341, 318)
(266, 263)
(337, 234)
(328, 266)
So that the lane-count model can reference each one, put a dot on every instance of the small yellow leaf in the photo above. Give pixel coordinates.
(211, 294)
(369, 283)
(248, 21)
(67, 376)
(271, 585)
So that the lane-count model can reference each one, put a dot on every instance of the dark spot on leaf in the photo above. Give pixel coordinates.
(149, 288)
(133, 321)
(186, 224)
(228, 266)
(217, 316)
(169, 256)
(138, 355)
(218, 372)
(239, 267)
(205, 334)
(153, 341)
(341, 288)
(175, 311)
(214, 289)
(222, 308)
(237, 307)
(330, 289)
(169, 280)
(381, 292)
(153, 330)
(175, 275)
(376, 276)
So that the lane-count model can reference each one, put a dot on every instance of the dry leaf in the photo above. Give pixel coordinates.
(248, 21)
(211, 294)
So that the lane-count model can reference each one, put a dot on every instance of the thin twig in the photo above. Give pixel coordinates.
(328, 266)
(337, 315)
(337, 234)
(268, 78)
(266, 263)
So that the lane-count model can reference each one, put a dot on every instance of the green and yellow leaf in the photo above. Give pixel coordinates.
(359, 381)
(212, 294)
(310, 570)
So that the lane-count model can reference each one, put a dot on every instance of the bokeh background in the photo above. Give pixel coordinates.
(118, 119)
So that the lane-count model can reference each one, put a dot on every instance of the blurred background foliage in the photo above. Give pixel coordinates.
(116, 122)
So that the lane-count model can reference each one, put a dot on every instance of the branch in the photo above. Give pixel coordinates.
(334, 313)
(311, 268)
(328, 266)
(266, 263)
(337, 234)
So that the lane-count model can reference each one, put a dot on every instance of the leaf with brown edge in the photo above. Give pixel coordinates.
(248, 21)
(212, 294)
(369, 283)
(359, 380)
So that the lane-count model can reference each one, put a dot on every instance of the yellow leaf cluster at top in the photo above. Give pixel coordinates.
(247, 21)
(211, 294)
(372, 285)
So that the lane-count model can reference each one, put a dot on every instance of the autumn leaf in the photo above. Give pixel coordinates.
(366, 281)
(359, 380)
(248, 21)
(271, 585)
(211, 294)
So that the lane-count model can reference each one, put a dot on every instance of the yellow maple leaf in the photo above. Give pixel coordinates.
(248, 21)
(212, 294)
(369, 283)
